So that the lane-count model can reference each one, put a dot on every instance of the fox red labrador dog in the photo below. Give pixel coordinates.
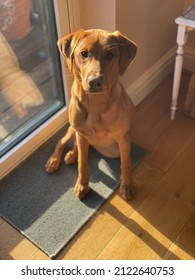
(100, 111)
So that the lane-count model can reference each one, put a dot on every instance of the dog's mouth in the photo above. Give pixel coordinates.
(91, 90)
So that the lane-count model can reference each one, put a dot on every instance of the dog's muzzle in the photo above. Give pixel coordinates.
(96, 83)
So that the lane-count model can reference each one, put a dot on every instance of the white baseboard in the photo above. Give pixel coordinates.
(152, 77)
(189, 58)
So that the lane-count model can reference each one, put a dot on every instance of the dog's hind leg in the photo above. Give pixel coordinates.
(53, 163)
(72, 155)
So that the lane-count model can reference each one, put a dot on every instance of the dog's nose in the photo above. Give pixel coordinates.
(96, 83)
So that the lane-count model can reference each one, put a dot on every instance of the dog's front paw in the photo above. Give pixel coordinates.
(126, 191)
(81, 189)
(52, 164)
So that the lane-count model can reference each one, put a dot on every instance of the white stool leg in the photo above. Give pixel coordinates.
(181, 39)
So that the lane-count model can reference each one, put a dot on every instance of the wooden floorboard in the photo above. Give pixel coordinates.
(184, 246)
(13, 245)
(159, 223)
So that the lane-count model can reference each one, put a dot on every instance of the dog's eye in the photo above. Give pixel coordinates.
(109, 55)
(85, 54)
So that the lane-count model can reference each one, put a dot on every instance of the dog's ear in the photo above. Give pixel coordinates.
(128, 51)
(67, 45)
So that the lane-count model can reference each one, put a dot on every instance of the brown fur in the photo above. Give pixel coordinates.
(100, 111)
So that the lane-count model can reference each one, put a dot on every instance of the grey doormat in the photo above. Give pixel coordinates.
(44, 208)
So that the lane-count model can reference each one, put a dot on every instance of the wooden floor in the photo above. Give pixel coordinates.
(159, 223)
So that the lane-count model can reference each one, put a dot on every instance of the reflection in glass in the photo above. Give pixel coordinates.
(30, 76)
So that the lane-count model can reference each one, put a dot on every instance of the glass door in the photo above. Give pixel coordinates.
(31, 84)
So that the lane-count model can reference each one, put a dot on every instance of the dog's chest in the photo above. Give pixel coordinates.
(95, 129)
(95, 124)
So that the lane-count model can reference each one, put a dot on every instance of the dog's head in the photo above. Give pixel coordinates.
(96, 57)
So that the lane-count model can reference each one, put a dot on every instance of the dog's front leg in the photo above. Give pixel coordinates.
(126, 169)
(82, 184)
